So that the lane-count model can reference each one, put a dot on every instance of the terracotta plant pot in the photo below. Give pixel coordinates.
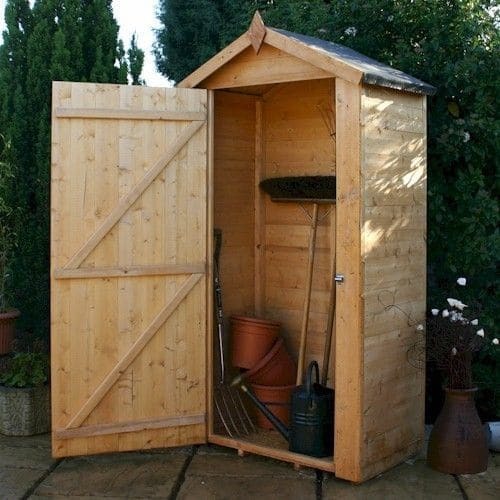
(7, 330)
(277, 399)
(251, 340)
(458, 443)
(276, 368)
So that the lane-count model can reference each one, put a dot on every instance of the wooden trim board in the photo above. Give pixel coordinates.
(246, 446)
(128, 271)
(213, 64)
(128, 114)
(348, 321)
(141, 425)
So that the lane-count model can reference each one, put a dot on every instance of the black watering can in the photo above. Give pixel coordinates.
(311, 417)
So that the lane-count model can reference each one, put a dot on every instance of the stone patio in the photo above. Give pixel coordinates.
(208, 472)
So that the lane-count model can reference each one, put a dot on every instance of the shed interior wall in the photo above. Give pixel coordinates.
(288, 130)
(298, 139)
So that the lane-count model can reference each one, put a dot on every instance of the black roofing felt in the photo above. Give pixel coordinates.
(374, 72)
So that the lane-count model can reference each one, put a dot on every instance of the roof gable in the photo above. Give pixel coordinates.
(270, 65)
(328, 57)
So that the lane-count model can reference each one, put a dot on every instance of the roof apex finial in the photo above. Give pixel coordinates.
(256, 31)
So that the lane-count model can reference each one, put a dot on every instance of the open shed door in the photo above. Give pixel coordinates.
(128, 267)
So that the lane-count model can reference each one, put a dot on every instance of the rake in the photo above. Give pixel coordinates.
(230, 409)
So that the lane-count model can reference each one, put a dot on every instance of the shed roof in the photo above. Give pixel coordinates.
(332, 57)
(374, 72)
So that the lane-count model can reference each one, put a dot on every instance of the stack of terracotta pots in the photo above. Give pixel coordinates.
(260, 352)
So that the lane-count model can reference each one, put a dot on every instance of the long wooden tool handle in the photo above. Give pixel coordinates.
(307, 298)
(329, 328)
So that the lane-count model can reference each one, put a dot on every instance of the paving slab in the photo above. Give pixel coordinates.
(245, 488)
(216, 473)
(412, 480)
(484, 486)
(23, 461)
(15, 482)
(115, 475)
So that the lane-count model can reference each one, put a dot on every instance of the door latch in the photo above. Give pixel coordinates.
(339, 278)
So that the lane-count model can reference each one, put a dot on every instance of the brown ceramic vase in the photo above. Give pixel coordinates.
(7, 329)
(458, 442)
(251, 340)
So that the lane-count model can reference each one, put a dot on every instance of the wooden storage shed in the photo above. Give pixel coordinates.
(141, 176)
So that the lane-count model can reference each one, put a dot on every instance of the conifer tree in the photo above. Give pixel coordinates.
(135, 61)
(55, 40)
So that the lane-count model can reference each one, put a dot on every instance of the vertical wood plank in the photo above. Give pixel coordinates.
(349, 324)
(210, 265)
(106, 304)
(260, 272)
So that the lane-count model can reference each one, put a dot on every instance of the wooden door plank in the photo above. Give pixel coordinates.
(129, 114)
(128, 271)
(133, 352)
(259, 246)
(137, 425)
(127, 201)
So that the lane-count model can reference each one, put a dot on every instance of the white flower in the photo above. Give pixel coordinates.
(390, 18)
(466, 137)
(456, 316)
(474, 322)
(420, 328)
(445, 313)
(454, 351)
(435, 312)
(462, 281)
(495, 341)
(480, 333)
(456, 303)
(351, 31)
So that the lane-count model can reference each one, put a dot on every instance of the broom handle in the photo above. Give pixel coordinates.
(307, 299)
(329, 327)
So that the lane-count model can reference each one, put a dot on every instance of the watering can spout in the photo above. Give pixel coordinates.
(277, 423)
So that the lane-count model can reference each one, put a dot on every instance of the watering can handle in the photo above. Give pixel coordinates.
(312, 364)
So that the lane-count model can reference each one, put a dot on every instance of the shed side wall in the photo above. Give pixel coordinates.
(394, 263)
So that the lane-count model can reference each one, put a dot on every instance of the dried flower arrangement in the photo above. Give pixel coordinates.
(452, 340)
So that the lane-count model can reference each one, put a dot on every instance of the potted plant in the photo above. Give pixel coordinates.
(7, 243)
(24, 394)
(458, 443)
